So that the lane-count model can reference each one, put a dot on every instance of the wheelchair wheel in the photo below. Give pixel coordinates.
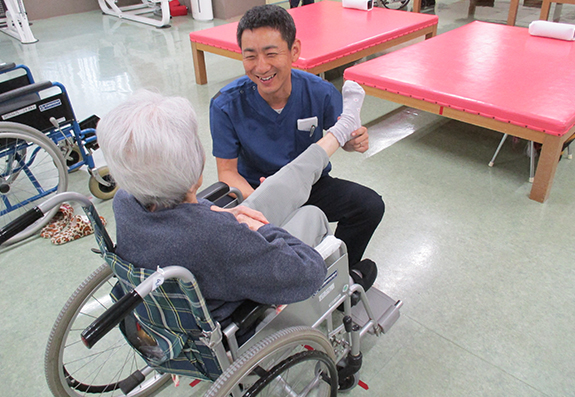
(74, 156)
(309, 373)
(101, 191)
(72, 369)
(275, 364)
(393, 4)
(32, 169)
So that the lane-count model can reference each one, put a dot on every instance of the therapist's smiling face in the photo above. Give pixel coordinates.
(268, 62)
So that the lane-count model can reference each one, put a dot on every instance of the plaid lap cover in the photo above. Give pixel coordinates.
(176, 316)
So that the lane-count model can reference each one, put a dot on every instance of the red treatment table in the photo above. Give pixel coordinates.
(331, 36)
(494, 76)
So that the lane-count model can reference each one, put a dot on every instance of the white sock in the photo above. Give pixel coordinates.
(350, 119)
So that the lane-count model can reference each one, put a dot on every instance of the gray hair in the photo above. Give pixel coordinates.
(152, 147)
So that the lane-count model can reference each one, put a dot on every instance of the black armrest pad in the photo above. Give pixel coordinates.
(214, 191)
(248, 313)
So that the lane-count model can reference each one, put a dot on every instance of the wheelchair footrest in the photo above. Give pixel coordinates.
(385, 310)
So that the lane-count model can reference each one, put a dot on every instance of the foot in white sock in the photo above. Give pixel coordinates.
(350, 119)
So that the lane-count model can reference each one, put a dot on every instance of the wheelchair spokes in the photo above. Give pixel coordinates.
(72, 370)
(309, 373)
(282, 354)
(30, 172)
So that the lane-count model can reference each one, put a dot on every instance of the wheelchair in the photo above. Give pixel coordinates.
(143, 327)
(40, 142)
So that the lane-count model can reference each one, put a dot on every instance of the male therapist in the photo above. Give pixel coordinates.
(264, 120)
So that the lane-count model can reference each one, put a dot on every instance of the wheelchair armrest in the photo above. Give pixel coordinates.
(28, 89)
(214, 191)
(219, 194)
(7, 66)
(328, 246)
(248, 313)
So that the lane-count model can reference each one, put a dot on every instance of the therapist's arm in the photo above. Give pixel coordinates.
(228, 173)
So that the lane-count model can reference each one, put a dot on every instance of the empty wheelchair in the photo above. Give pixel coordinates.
(40, 142)
(143, 327)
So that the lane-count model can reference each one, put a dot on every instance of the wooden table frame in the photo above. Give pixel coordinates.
(198, 50)
(551, 145)
(513, 7)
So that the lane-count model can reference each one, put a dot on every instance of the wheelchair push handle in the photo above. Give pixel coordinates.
(20, 224)
(6, 66)
(28, 218)
(111, 317)
(125, 305)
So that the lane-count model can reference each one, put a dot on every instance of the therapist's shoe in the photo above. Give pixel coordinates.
(364, 273)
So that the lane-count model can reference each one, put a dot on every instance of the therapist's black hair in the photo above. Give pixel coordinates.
(268, 16)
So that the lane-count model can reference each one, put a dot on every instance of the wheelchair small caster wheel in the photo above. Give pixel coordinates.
(73, 158)
(347, 384)
(100, 190)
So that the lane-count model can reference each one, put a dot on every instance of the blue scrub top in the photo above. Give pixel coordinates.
(245, 127)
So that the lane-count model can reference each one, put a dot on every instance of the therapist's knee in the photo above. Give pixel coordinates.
(370, 205)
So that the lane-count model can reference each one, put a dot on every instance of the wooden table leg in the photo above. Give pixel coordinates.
(546, 168)
(512, 16)
(432, 34)
(545, 7)
(416, 5)
(199, 65)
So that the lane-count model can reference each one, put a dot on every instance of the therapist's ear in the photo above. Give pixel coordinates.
(295, 50)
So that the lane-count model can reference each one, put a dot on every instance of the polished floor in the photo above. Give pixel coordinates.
(486, 275)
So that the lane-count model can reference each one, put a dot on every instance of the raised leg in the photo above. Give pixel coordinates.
(289, 188)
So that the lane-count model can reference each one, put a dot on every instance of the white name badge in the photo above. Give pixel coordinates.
(309, 124)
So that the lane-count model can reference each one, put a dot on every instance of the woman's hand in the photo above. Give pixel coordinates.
(254, 219)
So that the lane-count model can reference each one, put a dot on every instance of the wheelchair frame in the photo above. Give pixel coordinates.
(290, 348)
(40, 142)
(137, 12)
(14, 21)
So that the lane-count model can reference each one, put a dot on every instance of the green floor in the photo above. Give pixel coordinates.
(486, 275)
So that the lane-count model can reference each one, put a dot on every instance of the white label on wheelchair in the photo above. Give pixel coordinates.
(158, 278)
(49, 105)
(327, 280)
(327, 291)
(334, 300)
(18, 112)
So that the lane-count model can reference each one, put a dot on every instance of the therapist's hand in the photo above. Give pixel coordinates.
(254, 219)
(359, 141)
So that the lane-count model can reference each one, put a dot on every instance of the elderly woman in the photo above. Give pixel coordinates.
(153, 151)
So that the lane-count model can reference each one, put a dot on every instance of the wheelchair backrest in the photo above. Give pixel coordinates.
(14, 77)
(175, 315)
(22, 100)
(37, 108)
